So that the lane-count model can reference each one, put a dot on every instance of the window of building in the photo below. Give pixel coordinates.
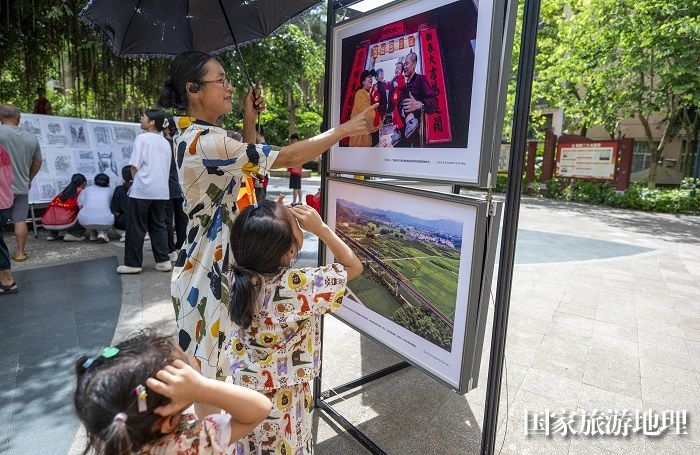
(688, 159)
(641, 156)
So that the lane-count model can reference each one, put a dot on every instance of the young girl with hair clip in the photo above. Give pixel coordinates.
(131, 401)
(211, 166)
(148, 195)
(275, 348)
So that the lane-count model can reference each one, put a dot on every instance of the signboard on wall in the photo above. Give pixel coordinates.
(429, 66)
(424, 267)
(73, 145)
(593, 161)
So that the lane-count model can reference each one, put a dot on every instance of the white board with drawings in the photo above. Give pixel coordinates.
(72, 145)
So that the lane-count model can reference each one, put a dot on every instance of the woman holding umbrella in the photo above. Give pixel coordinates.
(210, 166)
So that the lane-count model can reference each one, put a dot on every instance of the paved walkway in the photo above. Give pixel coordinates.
(611, 320)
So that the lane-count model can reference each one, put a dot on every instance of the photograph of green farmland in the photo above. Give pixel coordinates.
(411, 267)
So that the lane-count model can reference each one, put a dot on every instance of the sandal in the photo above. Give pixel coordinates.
(9, 288)
(19, 258)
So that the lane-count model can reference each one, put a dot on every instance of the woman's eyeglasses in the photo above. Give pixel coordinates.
(225, 83)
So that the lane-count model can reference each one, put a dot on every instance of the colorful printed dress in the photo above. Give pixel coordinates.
(211, 436)
(279, 354)
(210, 167)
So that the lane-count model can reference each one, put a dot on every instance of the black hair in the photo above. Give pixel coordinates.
(106, 387)
(157, 116)
(294, 136)
(101, 180)
(187, 67)
(260, 237)
(126, 174)
(172, 128)
(364, 75)
(41, 89)
(69, 192)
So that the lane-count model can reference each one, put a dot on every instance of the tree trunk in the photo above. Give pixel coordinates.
(584, 131)
(291, 114)
(654, 158)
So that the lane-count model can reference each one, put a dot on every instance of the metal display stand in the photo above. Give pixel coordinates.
(507, 16)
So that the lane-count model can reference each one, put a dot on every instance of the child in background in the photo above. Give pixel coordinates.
(61, 215)
(94, 214)
(278, 309)
(131, 401)
(120, 202)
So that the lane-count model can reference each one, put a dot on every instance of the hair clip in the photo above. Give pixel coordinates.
(141, 396)
(255, 206)
(166, 123)
(88, 362)
(109, 352)
(120, 416)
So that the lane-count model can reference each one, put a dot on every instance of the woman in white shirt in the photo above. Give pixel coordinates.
(148, 195)
(94, 211)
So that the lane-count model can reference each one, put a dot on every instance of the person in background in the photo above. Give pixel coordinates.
(295, 175)
(95, 213)
(235, 135)
(120, 202)
(61, 215)
(25, 155)
(148, 195)
(260, 183)
(41, 104)
(174, 211)
(361, 104)
(7, 283)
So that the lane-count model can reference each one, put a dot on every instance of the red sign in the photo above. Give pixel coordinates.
(438, 124)
(358, 65)
(392, 30)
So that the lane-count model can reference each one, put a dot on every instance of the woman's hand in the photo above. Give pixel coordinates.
(309, 219)
(179, 382)
(254, 103)
(362, 123)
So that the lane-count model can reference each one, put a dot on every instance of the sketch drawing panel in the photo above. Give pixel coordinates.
(56, 135)
(31, 123)
(124, 134)
(102, 133)
(78, 133)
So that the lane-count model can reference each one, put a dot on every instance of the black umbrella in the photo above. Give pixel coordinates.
(166, 28)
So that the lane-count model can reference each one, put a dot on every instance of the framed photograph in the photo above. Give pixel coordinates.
(433, 68)
(420, 291)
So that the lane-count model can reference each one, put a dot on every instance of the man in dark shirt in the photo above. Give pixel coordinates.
(417, 98)
(120, 202)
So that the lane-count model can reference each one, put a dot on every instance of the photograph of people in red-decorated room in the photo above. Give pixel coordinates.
(420, 71)
(426, 66)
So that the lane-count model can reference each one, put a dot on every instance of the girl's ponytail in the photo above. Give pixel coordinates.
(116, 440)
(261, 236)
(245, 289)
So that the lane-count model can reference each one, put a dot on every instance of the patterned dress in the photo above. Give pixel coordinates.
(210, 167)
(211, 436)
(279, 354)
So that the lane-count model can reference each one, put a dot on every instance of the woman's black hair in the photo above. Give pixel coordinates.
(105, 388)
(69, 192)
(187, 67)
(157, 116)
(172, 127)
(101, 180)
(260, 237)
(364, 75)
(126, 174)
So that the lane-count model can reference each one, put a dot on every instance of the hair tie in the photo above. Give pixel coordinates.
(88, 362)
(120, 417)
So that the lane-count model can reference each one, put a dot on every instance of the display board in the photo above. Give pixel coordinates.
(593, 161)
(430, 66)
(73, 145)
(424, 259)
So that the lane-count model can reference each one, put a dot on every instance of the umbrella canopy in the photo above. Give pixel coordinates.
(166, 28)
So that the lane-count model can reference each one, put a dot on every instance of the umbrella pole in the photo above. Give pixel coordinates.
(235, 43)
(240, 56)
